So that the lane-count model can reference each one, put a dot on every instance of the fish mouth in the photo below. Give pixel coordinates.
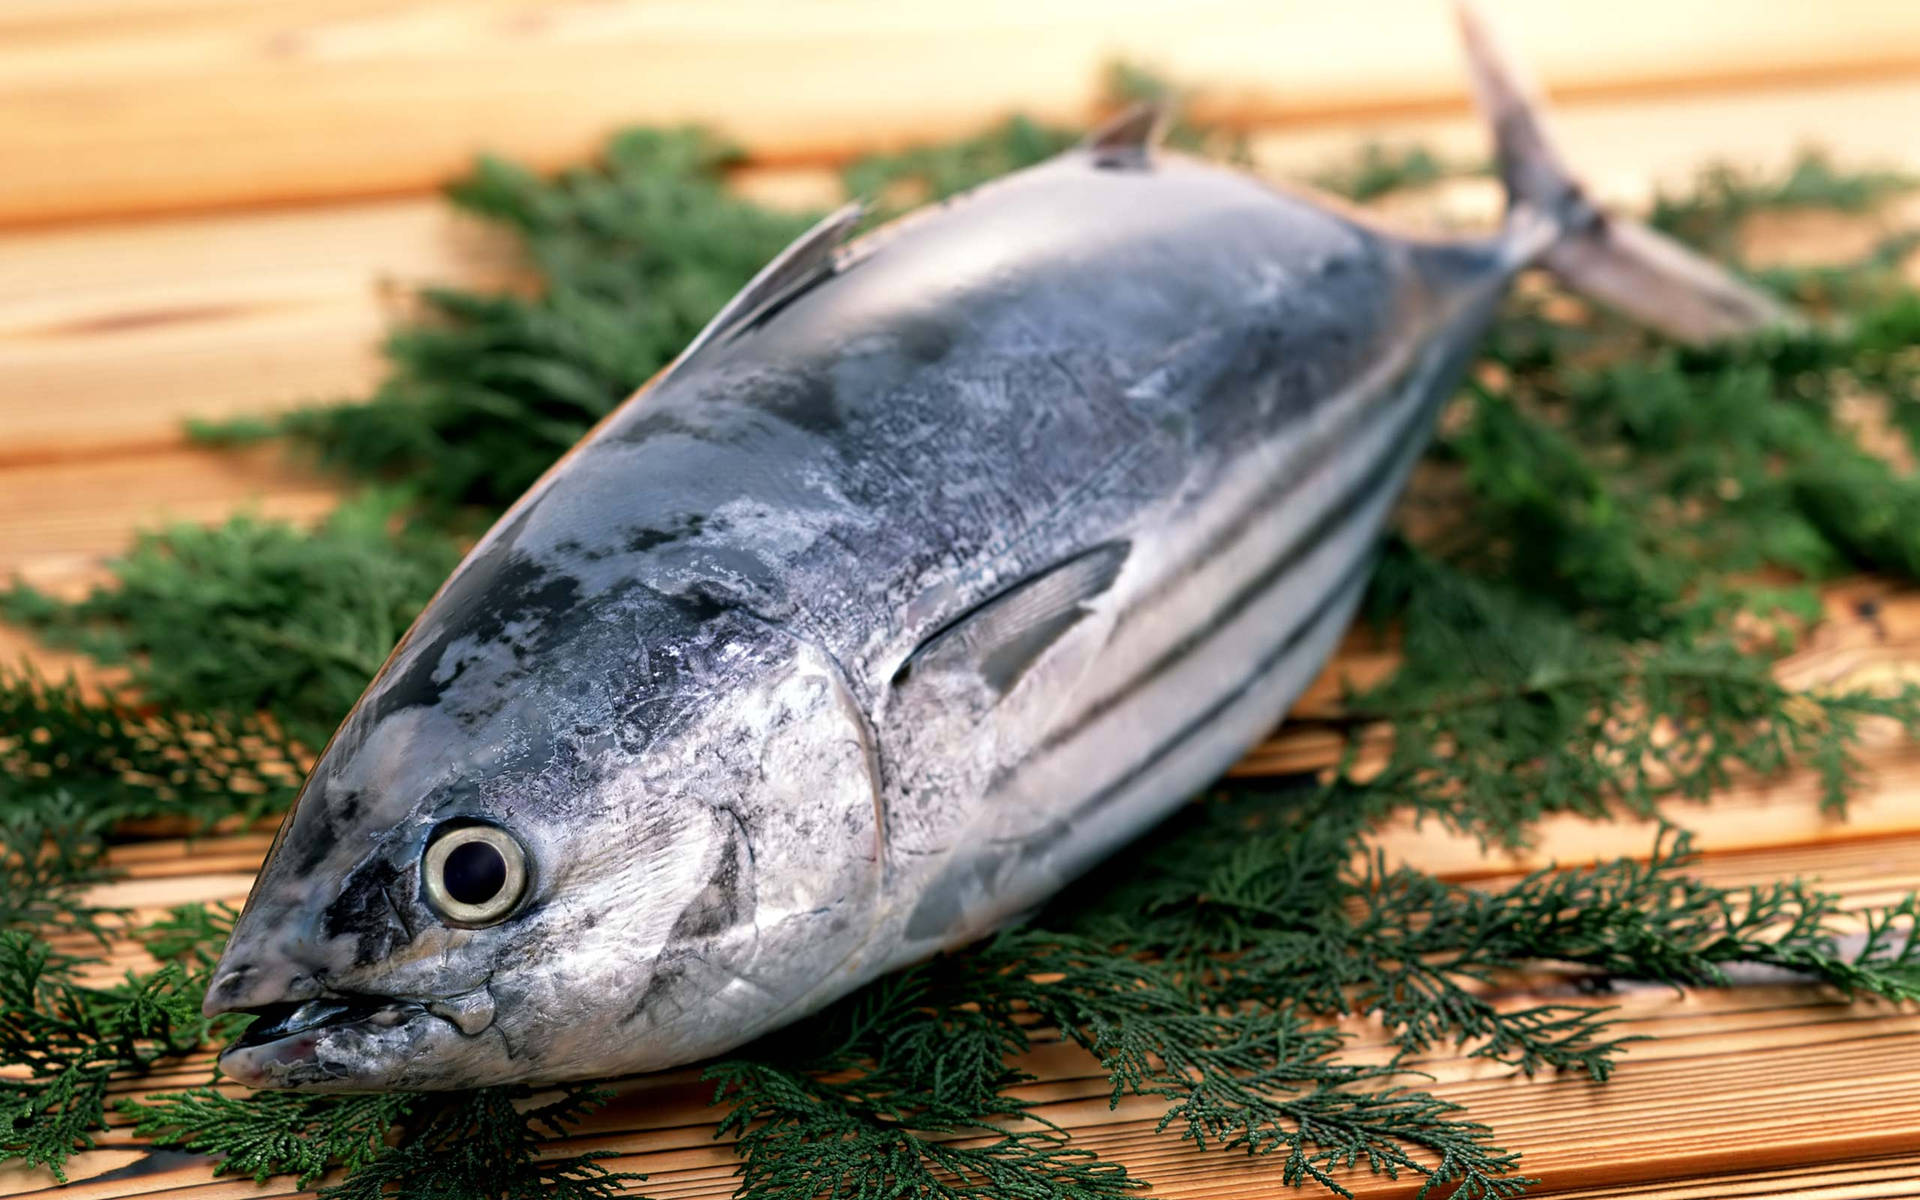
(351, 1041)
(278, 1022)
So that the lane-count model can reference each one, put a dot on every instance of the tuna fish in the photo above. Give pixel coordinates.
(944, 562)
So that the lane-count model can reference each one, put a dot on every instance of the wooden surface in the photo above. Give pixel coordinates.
(1740, 1092)
(116, 106)
(143, 278)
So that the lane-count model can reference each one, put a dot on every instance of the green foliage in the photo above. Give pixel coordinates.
(106, 762)
(71, 769)
(1587, 638)
(254, 615)
(1193, 971)
(922, 1058)
(1274, 901)
(1589, 633)
(800, 1137)
(1380, 170)
(1709, 213)
(273, 1133)
(1688, 462)
(488, 1143)
(64, 1040)
(50, 854)
(1557, 716)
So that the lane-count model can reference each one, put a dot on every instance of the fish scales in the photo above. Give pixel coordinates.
(941, 565)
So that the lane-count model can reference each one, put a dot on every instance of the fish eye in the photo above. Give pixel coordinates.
(474, 874)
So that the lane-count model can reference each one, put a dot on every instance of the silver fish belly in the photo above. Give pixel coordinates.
(941, 565)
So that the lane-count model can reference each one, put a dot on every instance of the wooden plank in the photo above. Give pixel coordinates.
(1836, 1119)
(63, 518)
(1873, 1178)
(1630, 147)
(119, 106)
(111, 336)
(1839, 1102)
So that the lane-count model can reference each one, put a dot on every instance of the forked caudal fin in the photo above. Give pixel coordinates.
(1617, 261)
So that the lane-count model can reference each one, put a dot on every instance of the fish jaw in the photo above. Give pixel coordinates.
(340, 1043)
(319, 1025)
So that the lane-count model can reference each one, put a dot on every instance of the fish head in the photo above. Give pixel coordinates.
(596, 865)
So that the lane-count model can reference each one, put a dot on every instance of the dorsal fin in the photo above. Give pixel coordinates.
(999, 638)
(807, 261)
(1123, 140)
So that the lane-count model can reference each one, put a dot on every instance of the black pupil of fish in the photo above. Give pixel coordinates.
(474, 873)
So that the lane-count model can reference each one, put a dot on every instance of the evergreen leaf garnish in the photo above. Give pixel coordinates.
(273, 1133)
(65, 1040)
(254, 615)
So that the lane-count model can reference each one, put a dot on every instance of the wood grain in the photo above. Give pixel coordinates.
(62, 519)
(136, 106)
(111, 336)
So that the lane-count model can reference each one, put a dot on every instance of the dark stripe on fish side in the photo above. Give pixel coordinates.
(1354, 578)
(943, 905)
(1336, 517)
(1281, 488)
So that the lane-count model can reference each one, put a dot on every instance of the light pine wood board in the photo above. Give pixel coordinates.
(112, 335)
(118, 106)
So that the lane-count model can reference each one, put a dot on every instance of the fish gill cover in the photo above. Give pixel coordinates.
(1632, 534)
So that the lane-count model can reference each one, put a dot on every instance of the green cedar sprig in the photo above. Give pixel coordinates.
(1709, 212)
(1192, 971)
(65, 1040)
(273, 1133)
(1381, 169)
(254, 615)
(489, 1142)
(634, 254)
(1558, 716)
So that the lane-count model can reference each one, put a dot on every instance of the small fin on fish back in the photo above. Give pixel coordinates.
(1125, 139)
(1618, 261)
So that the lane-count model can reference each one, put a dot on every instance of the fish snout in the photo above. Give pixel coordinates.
(247, 981)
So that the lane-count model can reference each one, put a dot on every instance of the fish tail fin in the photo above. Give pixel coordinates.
(1618, 261)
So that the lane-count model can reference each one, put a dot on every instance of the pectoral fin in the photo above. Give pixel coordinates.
(1000, 638)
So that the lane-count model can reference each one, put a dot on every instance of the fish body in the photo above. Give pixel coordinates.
(943, 564)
